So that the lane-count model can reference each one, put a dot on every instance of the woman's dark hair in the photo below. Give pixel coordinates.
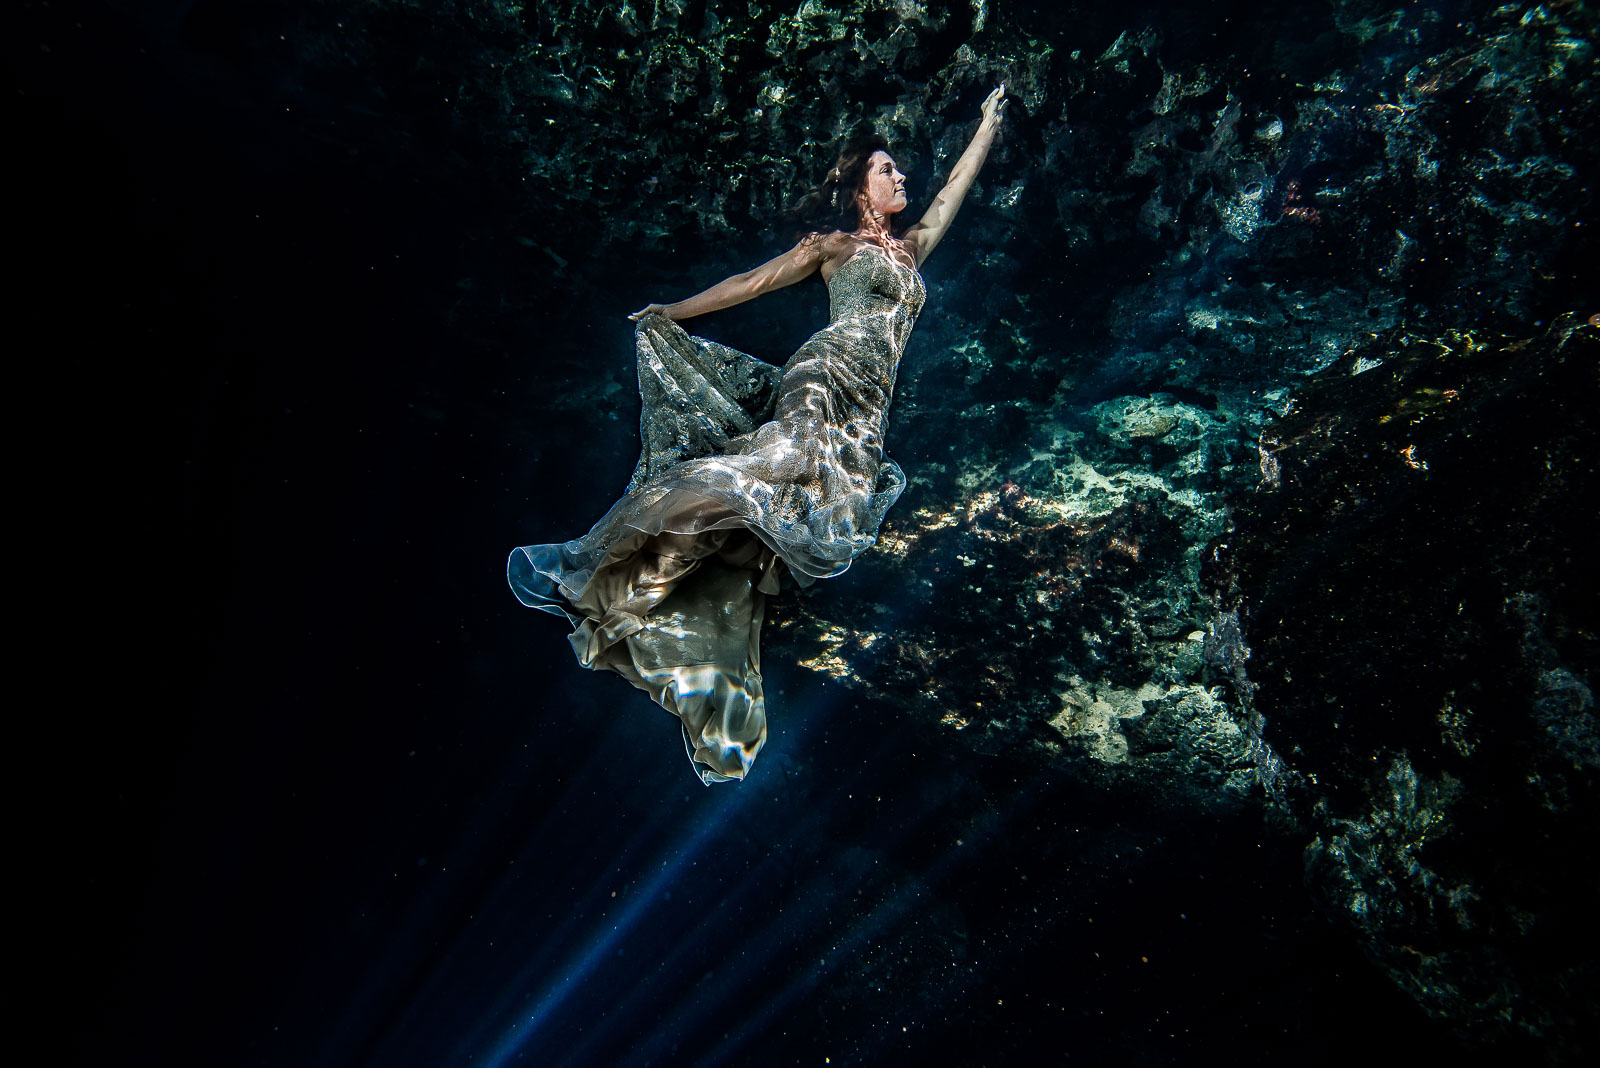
(832, 205)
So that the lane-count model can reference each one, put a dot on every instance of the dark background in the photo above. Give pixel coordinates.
(313, 789)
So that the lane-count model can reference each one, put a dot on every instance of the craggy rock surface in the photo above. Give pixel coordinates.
(1424, 633)
(1250, 422)
(1225, 202)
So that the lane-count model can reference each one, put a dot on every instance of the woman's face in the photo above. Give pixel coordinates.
(886, 186)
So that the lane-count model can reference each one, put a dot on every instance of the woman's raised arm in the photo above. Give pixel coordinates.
(776, 273)
(930, 229)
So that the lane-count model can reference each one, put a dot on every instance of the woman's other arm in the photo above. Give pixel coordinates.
(776, 273)
(930, 229)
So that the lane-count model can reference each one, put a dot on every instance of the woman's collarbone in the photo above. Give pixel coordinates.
(852, 245)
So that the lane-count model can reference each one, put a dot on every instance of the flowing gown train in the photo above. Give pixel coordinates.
(746, 469)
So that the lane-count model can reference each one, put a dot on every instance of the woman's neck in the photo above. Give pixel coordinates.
(874, 227)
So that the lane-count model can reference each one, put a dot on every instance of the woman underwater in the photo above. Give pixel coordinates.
(748, 468)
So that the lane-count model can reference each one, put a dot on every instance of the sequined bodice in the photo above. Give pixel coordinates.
(872, 289)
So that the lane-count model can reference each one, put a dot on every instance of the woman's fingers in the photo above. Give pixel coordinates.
(996, 101)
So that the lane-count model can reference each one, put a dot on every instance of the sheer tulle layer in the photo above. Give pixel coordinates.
(678, 616)
(742, 465)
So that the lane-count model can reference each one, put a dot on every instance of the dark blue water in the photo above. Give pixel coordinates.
(334, 798)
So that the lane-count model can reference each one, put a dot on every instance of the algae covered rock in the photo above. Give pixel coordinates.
(1407, 580)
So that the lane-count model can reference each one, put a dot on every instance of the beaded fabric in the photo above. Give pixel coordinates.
(746, 469)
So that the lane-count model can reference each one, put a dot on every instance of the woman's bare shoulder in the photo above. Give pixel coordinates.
(829, 245)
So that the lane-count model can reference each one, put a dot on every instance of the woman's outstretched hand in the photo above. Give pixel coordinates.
(649, 309)
(994, 104)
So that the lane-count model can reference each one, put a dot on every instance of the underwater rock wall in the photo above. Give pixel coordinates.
(1423, 626)
(1245, 424)
(1217, 196)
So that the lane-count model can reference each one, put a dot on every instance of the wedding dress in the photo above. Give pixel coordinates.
(746, 469)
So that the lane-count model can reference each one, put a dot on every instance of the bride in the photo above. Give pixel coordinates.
(749, 470)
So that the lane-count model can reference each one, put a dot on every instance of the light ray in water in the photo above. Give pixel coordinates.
(503, 901)
(719, 810)
(408, 944)
(808, 906)
(809, 909)
(572, 972)
(869, 927)
(716, 812)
